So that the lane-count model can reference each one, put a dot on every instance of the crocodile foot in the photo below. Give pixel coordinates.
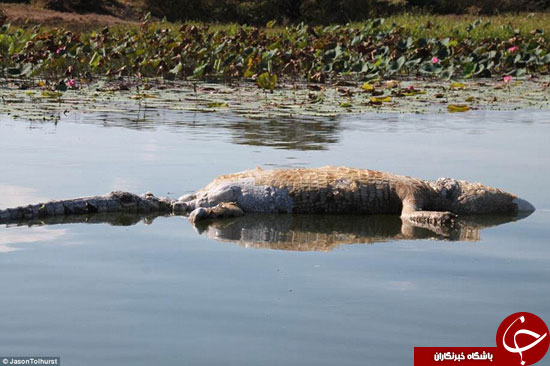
(222, 210)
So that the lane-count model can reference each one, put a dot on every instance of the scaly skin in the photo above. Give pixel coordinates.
(339, 190)
(327, 190)
(112, 202)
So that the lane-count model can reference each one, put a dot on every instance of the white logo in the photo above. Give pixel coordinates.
(518, 349)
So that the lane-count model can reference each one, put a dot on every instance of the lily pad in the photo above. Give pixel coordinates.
(458, 85)
(458, 108)
(367, 87)
(217, 105)
(51, 94)
(385, 99)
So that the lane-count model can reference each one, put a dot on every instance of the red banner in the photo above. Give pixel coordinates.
(463, 356)
(522, 340)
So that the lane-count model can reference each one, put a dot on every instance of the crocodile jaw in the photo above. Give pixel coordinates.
(523, 205)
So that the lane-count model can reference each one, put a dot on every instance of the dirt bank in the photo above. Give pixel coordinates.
(19, 14)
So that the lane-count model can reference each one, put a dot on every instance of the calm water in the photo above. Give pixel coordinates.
(125, 291)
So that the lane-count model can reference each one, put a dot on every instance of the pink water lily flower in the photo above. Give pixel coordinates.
(60, 50)
(71, 83)
(513, 49)
(435, 60)
(507, 79)
(410, 88)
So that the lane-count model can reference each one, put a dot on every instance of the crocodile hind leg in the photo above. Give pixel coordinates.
(222, 210)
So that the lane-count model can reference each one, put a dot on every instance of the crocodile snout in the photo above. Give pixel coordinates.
(523, 205)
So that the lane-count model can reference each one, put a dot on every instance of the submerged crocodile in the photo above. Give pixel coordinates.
(326, 190)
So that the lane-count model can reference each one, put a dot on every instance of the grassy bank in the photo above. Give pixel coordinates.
(501, 27)
(407, 45)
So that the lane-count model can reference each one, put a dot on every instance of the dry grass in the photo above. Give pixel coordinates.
(21, 14)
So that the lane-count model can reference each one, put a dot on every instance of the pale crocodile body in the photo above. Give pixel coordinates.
(323, 190)
(328, 190)
(337, 190)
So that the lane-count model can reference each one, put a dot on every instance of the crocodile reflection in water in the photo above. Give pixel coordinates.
(325, 232)
(301, 232)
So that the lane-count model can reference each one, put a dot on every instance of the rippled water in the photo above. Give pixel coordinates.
(266, 290)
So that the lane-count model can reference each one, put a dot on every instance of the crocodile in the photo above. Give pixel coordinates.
(325, 190)
(343, 190)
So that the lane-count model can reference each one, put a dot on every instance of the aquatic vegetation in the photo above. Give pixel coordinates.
(267, 81)
(266, 55)
(287, 99)
(458, 108)
(380, 99)
(303, 70)
(367, 87)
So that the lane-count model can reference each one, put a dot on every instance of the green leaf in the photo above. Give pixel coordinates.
(380, 99)
(518, 72)
(94, 62)
(367, 87)
(248, 74)
(217, 105)
(199, 71)
(61, 86)
(469, 69)
(267, 81)
(458, 85)
(14, 71)
(448, 72)
(11, 49)
(177, 69)
(480, 68)
(27, 70)
(458, 108)
(397, 64)
(51, 94)
(356, 40)
(427, 68)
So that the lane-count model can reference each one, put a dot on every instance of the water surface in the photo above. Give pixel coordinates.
(137, 292)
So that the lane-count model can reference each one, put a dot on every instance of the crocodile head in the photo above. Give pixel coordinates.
(476, 199)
